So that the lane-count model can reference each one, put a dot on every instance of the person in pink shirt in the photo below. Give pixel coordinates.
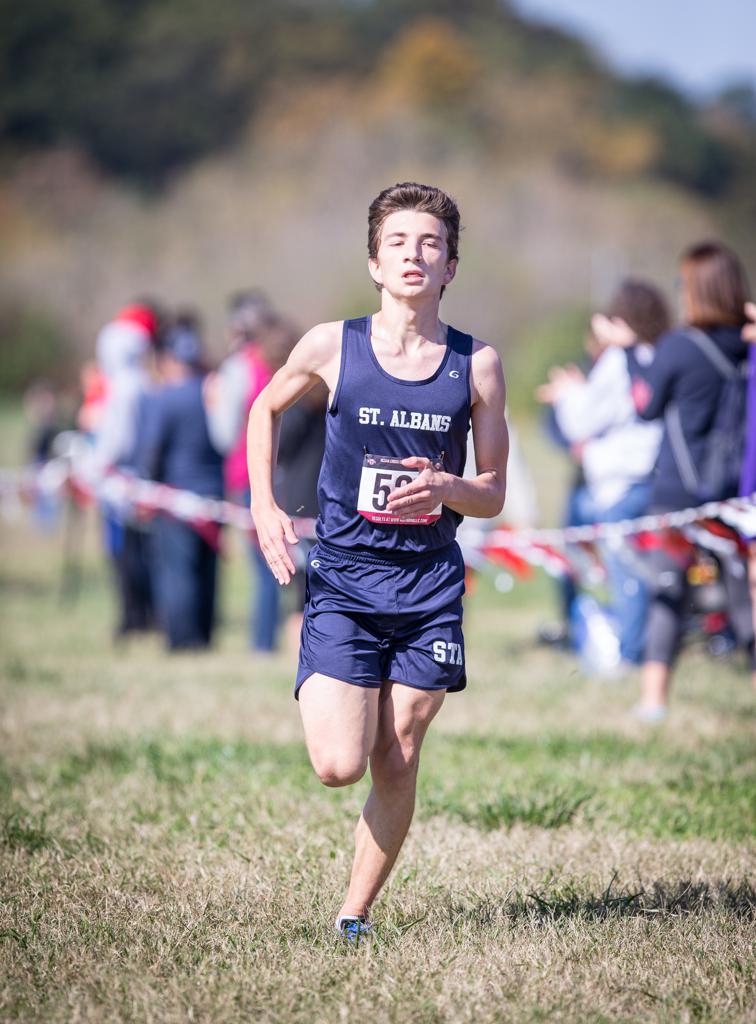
(256, 334)
(249, 315)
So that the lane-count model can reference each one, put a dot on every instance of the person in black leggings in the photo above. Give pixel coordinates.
(683, 386)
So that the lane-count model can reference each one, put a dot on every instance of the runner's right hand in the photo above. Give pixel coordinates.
(274, 531)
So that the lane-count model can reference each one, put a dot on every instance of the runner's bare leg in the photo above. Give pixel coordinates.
(403, 719)
(340, 722)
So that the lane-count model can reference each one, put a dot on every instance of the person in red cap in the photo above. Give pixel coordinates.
(140, 315)
(124, 347)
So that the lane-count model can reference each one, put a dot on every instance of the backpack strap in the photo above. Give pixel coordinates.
(672, 419)
(680, 450)
(712, 352)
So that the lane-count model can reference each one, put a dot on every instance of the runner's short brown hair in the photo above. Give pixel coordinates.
(409, 195)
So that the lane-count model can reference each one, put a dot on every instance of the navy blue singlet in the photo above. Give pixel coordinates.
(373, 414)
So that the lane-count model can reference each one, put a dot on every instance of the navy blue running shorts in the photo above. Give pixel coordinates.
(367, 619)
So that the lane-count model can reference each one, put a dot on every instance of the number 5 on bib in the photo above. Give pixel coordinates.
(381, 475)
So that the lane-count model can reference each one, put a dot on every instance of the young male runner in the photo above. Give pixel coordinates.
(382, 633)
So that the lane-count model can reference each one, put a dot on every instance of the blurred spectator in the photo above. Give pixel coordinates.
(684, 385)
(93, 386)
(175, 449)
(300, 453)
(238, 381)
(617, 449)
(255, 335)
(190, 319)
(276, 342)
(560, 634)
(124, 348)
(521, 512)
(748, 476)
(42, 412)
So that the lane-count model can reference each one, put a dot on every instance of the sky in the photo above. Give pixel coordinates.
(699, 45)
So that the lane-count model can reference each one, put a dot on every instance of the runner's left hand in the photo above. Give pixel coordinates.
(423, 494)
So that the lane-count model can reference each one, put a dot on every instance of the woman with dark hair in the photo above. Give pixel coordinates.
(617, 449)
(685, 384)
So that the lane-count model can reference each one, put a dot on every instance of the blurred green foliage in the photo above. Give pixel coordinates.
(146, 86)
(688, 154)
(34, 347)
(554, 340)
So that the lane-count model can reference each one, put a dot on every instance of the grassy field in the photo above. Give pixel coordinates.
(168, 855)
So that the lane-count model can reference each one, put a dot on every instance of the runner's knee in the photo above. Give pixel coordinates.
(334, 769)
(397, 762)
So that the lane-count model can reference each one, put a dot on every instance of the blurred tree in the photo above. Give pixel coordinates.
(739, 99)
(147, 86)
(51, 52)
(687, 153)
(143, 85)
(430, 66)
(555, 339)
(34, 347)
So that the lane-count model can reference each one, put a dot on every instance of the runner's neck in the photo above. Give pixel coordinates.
(406, 328)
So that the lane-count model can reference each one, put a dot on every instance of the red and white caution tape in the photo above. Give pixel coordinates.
(544, 548)
(126, 492)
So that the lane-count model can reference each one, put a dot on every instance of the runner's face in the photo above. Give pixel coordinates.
(413, 257)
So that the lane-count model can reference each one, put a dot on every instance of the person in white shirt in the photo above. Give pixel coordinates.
(618, 450)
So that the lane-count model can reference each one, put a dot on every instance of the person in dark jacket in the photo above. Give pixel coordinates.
(683, 386)
(301, 443)
(175, 449)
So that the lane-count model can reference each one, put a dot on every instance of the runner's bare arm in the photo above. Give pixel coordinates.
(483, 495)
(314, 358)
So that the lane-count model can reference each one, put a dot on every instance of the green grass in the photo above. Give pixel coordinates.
(551, 779)
(485, 781)
(167, 854)
(13, 431)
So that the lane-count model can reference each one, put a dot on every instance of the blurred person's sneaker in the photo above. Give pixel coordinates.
(618, 673)
(650, 714)
(554, 634)
(354, 928)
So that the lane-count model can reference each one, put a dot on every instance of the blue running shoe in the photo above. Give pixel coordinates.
(354, 928)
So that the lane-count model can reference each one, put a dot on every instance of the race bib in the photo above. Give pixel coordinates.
(381, 475)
